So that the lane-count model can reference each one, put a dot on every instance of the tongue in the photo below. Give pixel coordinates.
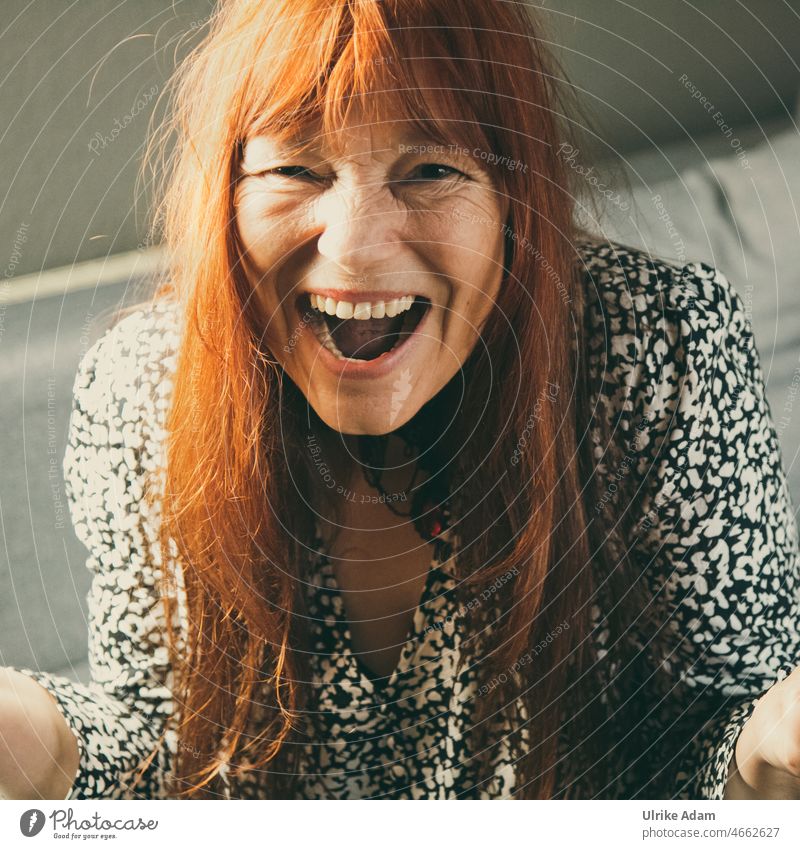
(365, 339)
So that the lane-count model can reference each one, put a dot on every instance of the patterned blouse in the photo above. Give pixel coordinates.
(716, 533)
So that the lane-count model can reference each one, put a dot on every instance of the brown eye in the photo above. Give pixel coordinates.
(296, 172)
(432, 172)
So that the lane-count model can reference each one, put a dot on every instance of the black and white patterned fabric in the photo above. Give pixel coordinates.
(673, 357)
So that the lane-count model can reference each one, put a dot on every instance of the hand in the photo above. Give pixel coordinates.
(38, 751)
(767, 760)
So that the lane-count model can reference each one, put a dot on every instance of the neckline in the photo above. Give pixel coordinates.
(439, 570)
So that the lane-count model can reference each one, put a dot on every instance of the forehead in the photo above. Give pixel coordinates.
(350, 140)
(378, 117)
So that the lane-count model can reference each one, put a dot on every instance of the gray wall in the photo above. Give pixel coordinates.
(628, 60)
(72, 73)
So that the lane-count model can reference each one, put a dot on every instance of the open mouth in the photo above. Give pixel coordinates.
(364, 330)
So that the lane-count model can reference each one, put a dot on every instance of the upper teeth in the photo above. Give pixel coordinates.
(363, 309)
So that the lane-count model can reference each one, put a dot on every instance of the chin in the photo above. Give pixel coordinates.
(376, 417)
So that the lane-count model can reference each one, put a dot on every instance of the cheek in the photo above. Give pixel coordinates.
(472, 263)
(469, 253)
(267, 226)
(256, 228)
(470, 237)
(259, 234)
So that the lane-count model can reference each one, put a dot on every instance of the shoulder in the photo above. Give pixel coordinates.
(656, 330)
(124, 378)
(645, 292)
(120, 399)
(145, 337)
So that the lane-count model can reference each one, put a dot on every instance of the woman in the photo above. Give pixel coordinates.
(403, 486)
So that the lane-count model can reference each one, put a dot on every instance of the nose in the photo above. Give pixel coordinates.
(362, 226)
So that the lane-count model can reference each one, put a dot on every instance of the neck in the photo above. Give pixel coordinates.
(365, 465)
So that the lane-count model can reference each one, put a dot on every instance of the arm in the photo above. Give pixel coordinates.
(117, 720)
(38, 753)
(766, 764)
(717, 541)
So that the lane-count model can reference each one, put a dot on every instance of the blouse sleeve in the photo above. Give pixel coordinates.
(715, 534)
(118, 718)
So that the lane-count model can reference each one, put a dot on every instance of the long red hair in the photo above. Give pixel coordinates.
(229, 508)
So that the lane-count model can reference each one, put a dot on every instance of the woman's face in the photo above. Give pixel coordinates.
(376, 259)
